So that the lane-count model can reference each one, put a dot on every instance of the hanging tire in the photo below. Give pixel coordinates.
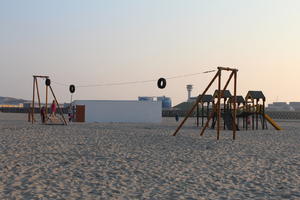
(48, 82)
(72, 88)
(161, 83)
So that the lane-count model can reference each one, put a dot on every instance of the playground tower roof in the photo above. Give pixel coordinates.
(226, 94)
(239, 99)
(255, 95)
(208, 98)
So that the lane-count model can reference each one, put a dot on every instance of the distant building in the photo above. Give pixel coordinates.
(120, 111)
(279, 106)
(295, 105)
(145, 98)
(166, 102)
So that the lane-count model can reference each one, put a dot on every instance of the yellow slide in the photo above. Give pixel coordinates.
(272, 122)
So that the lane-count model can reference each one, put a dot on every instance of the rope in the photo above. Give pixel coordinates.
(134, 82)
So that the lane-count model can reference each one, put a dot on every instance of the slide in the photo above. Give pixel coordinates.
(272, 122)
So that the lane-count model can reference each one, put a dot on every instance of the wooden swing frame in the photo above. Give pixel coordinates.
(36, 89)
(217, 107)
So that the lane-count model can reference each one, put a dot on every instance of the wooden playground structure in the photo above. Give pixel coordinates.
(217, 107)
(234, 107)
(36, 90)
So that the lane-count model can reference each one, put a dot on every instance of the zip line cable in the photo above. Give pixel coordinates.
(135, 82)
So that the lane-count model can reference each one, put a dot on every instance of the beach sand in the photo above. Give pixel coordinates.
(143, 161)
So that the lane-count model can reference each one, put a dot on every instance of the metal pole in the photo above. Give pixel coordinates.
(197, 101)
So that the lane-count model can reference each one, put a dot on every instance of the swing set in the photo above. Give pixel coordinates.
(217, 106)
(51, 119)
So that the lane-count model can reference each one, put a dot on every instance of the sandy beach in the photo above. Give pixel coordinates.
(143, 161)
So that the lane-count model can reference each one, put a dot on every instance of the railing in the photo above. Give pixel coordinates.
(26, 110)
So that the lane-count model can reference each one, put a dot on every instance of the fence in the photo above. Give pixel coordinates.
(272, 114)
(26, 110)
(168, 113)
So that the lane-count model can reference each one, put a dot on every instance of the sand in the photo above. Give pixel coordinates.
(142, 161)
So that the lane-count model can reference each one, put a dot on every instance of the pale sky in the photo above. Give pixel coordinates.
(106, 41)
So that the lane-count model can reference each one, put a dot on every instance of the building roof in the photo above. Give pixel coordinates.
(255, 95)
(239, 99)
(184, 106)
(226, 94)
(206, 98)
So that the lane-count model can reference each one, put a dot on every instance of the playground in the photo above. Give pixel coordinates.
(142, 160)
(226, 110)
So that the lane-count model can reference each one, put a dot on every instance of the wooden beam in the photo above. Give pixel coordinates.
(38, 76)
(46, 106)
(38, 92)
(33, 96)
(200, 97)
(198, 115)
(219, 105)
(234, 106)
(227, 69)
(60, 110)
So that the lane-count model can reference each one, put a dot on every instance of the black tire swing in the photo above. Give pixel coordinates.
(48, 82)
(72, 88)
(161, 83)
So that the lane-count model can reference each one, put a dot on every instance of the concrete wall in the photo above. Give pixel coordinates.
(121, 111)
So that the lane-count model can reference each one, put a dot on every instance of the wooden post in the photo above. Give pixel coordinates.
(197, 101)
(33, 95)
(263, 114)
(207, 112)
(256, 114)
(60, 110)
(247, 116)
(46, 106)
(202, 111)
(219, 106)
(225, 110)
(234, 106)
(253, 106)
(38, 92)
(197, 115)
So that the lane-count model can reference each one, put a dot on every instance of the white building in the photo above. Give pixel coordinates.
(121, 111)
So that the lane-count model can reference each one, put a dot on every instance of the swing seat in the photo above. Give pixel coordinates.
(54, 120)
